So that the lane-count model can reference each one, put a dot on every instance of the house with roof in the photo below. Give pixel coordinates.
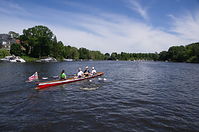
(6, 40)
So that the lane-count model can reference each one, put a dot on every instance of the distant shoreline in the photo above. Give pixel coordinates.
(39, 42)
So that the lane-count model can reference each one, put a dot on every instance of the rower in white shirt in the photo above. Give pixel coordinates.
(93, 71)
(80, 73)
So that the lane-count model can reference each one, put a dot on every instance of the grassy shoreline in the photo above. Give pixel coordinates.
(29, 59)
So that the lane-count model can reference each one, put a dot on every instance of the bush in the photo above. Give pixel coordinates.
(4, 53)
(16, 49)
(193, 59)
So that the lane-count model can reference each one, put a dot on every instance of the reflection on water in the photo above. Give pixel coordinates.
(93, 84)
(131, 96)
(87, 89)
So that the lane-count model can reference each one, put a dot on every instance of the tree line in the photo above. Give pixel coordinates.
(188, 53)
(40, 42)
(131, 56)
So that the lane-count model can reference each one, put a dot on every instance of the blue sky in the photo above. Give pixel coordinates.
(108, 25)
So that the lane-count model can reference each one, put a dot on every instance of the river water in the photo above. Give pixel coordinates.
(130, 96)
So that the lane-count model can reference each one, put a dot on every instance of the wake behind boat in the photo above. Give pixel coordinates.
(43, 85)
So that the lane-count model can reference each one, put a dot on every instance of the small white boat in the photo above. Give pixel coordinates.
(17, 59)
(49, 59)
(13, 59)
(7, 58)
(68, 60)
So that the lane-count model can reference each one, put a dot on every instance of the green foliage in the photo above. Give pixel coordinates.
(38, 41)
(124, 56)
(188, 53)
(70, 52)
(193, 52)
(193, 59)
(16, 49)
(113, 56)
(84, 53)
(96, 55)
(132, 56)
(3, 53)
(14, 34)
(163, 56)
(57, 50)
(107, 56)
(177, 53)
(73, 53)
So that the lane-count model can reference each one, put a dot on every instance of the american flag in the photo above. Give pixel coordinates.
(33, 77)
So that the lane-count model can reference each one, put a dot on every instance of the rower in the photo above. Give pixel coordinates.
(80, 73)
(93, 71)
(62, 75)
(86, 72)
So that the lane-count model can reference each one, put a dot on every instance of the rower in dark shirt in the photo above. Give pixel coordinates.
(86, 72)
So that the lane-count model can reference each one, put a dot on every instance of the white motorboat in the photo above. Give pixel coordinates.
(68, 60)
(49, 59)
(13, 59)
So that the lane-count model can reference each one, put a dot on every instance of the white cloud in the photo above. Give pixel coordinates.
(187, 26)
(136, 6)
(10, 8)
(125, 35)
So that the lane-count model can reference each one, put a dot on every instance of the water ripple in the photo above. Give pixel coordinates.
(136, 96)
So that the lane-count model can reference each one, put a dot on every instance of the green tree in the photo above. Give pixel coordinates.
(16, 49)
(74, 54)
(96, 55)
(193, 52)
(177, 53)
(37, 40)
(107, 56)
(66, 52)
(84, 53)
(3, 53)
(14, 34)
(163, 56)
(114, 56)
(57, 50)
(124, 56)
(154, 56)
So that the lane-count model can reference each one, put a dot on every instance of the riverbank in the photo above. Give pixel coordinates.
(29, 59)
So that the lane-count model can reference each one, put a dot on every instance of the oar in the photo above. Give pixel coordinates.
(72, 75)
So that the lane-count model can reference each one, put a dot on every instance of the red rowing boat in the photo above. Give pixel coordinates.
(43, 85)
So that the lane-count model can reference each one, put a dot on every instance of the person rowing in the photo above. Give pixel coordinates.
(62, 75)
(86, 72)
(80, 73)
(93, 71)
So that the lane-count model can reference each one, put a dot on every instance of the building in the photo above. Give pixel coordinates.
(6, 40)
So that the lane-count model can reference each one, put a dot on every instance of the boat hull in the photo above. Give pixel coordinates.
(70, 80)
